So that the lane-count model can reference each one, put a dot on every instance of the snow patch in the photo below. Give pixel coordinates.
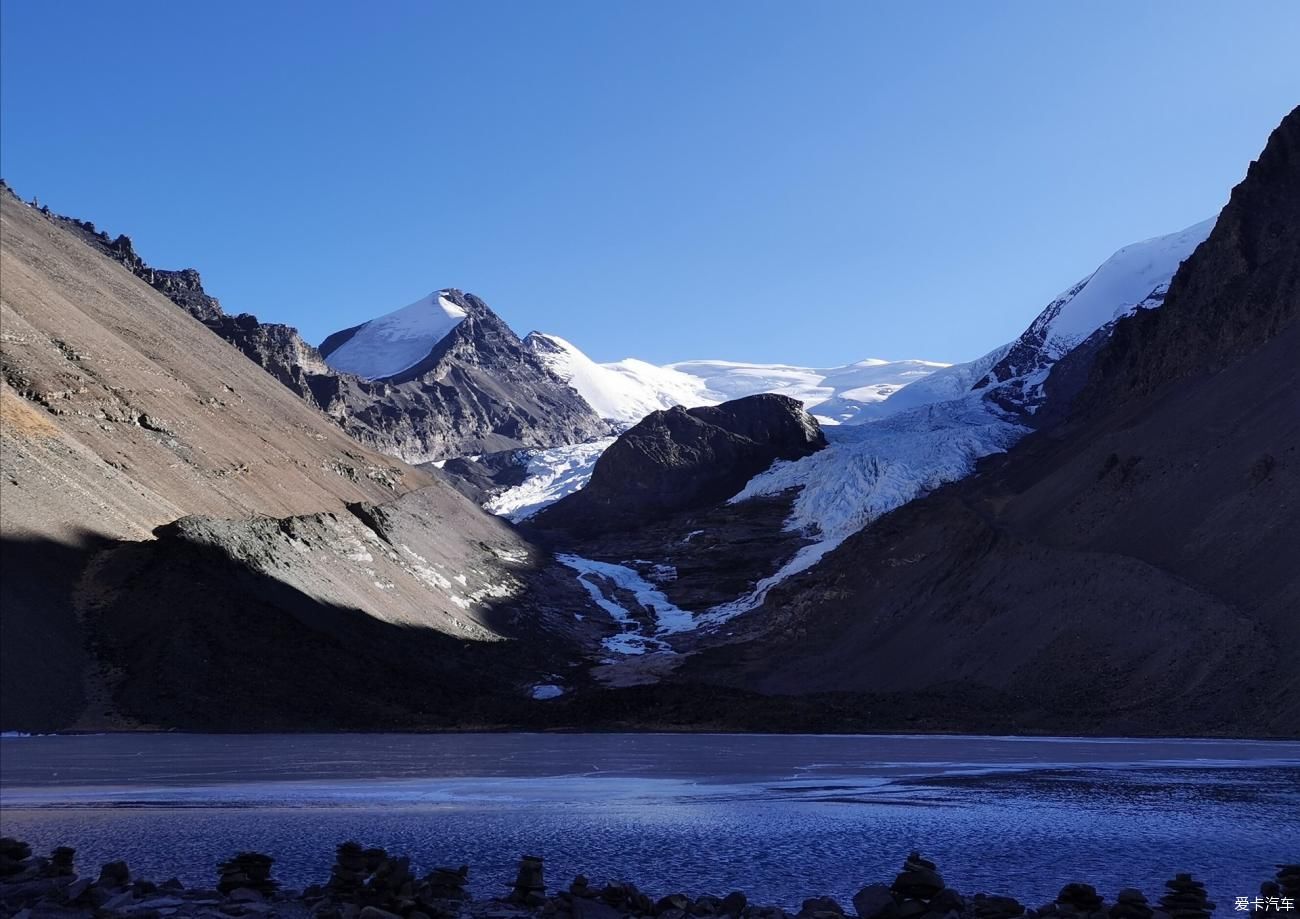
(597, 577)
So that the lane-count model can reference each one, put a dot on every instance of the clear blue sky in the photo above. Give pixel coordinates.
(803, 182)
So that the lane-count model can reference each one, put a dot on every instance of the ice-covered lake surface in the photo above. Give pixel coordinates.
(780, 817)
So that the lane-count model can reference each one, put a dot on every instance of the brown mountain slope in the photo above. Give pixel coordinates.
(1137, 569)
(122, 413)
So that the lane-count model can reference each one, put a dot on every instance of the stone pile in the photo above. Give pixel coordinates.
(1288, 880)
(1284, 886)
(1077, 901)
(918, 892)
(1131, 904)
(919, 879)
(1185, 899)
(530, 885)
(350, 870)
(12, 855)
(371, 884)
(368, 883)
(447, 883)
(249, 871)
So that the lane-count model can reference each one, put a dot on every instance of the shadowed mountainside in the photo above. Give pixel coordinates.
(1133, 569)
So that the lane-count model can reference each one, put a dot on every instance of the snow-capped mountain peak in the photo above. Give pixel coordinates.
(396, 341)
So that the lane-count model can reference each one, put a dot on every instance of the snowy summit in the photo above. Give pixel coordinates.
(399, 340)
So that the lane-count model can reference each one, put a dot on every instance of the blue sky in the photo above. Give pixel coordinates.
(809, 183)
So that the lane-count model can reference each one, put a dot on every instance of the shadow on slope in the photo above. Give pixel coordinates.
(169, 634)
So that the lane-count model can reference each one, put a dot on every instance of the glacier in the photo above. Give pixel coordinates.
(908, 427)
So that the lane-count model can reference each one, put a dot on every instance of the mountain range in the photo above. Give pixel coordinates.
(428, 521)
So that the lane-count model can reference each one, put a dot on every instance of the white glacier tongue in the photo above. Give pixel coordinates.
(869, 470)
(386, 346)
(550, 475)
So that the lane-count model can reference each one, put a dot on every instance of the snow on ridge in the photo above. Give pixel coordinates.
(1117, 288)
(397, 341)
(623, 391)
(626, 391)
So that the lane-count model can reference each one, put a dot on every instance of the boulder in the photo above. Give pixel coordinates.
(875, 901)
(734, 903)
(114, 875)
(680, 459)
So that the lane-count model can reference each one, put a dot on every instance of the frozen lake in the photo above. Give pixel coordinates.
(780, 817)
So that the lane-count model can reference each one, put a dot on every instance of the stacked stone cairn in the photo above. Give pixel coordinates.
(368, 883)
(1131, 904)
(371, 884)
(13, 855)
(1288, 880)
(1077, 901)
(248, 873)
(1286, 885)
(1185, 899)
(918, 893)
(448, 883)
(530, 885)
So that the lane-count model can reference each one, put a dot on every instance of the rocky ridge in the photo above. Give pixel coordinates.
(479, 392)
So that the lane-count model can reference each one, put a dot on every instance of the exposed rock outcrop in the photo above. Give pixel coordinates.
(679, 459)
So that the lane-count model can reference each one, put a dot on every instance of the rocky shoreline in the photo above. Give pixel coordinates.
(369, 883)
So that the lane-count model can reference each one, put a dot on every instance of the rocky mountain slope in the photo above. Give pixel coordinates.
(484, 391)
(178, 527)
(1129, 569)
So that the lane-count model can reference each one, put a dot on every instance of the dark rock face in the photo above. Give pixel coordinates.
(679, 459)
(1239, 291)
(480, 390)
(479, 479)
